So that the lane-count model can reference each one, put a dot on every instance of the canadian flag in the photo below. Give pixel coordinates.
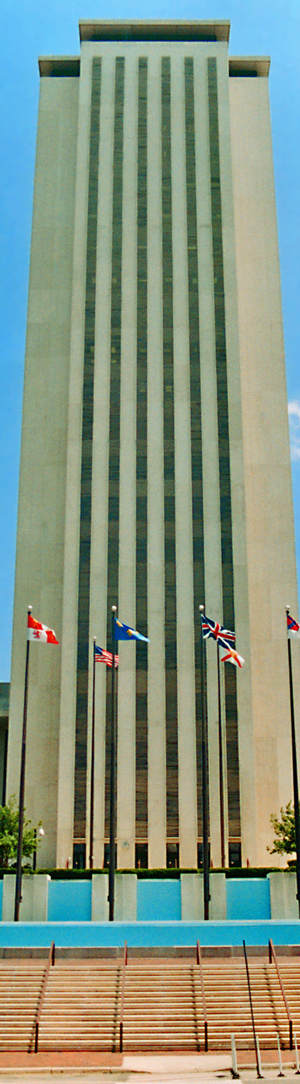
(37, 631)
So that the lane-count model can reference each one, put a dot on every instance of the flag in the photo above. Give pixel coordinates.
(37, 631)
(293, 629)
(124, 632)
(101, 655)
(211, 628)
(232, 656)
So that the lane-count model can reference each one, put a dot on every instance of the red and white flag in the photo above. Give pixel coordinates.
(293, 629)
(37, 631)
(232, 656)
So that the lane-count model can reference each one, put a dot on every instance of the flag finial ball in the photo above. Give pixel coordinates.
(29, 609)
(287, 609)
(114, 609)
(201, 608)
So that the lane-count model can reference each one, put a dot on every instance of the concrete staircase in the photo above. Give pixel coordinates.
(81, 1007)
(228, 1008)
(20, 986)
(163, 1006)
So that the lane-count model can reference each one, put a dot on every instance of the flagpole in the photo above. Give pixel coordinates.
(295, 770)
(221, 783)
(18, 891)
(92, 765)
(206, 895)
(112, 827)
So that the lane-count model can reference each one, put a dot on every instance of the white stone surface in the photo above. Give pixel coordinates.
(125, 897)
(270, 555)
(99, 897)
(40, 539)
(192, 906)
(34, 903)
(283, 888)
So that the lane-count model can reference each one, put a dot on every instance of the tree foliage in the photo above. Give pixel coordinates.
(285, 839)
(9, 827)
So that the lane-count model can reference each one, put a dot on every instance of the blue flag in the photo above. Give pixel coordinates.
(124, 632)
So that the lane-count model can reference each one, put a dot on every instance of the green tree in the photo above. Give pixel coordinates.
(285, 839)
(9, 826)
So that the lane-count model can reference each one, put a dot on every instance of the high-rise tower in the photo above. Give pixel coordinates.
(155, 468)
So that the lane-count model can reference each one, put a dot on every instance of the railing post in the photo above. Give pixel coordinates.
(125, 958)
(272, 954)
(50, 960)
(256, 1043)
(234, 1071)
(199, 962)
(297, 1057)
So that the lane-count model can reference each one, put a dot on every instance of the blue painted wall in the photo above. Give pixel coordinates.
(105, 934)
(158, 900)
(69, 901)
(248, 899)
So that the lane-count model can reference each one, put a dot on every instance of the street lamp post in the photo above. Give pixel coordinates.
(113, 738)
(295, 770)
(204, 750)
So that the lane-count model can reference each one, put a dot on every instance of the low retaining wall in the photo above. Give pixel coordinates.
(146, 934)
(156, 900)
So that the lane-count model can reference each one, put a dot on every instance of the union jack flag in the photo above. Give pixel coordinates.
(293, 629)
(212, 628)
(101, 655)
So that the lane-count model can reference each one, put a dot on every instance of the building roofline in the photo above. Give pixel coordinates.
(249, 66)
(153, 30)
(59, 66)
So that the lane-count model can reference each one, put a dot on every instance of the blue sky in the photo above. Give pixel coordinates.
(41, 27)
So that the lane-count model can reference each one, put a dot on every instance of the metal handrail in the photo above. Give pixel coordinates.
(252, 1013)
(272, 953)
(51, 960)
(125, 958)
(199, 962)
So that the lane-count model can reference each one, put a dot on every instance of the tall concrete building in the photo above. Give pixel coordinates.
(155, 466)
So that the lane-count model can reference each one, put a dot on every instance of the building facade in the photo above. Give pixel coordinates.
(155, 466)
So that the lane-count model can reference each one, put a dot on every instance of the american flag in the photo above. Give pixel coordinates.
(101, 655)
(293, 629)
(212, 628)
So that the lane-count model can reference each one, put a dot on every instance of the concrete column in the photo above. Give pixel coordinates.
(126, 897)
(155, 451)
(192, 907)
(98, 582)
(183, 485)
(127, 521)
(65, 811)
(34, 905)
(99, 897)
(210, 451)
(284, 904)
(248, 781)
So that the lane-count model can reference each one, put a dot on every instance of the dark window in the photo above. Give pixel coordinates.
(172, 855)
(141, 856)
(79, 856)
(235, 855)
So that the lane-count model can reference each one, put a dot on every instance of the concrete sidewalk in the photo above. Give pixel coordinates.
(176, 1068)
